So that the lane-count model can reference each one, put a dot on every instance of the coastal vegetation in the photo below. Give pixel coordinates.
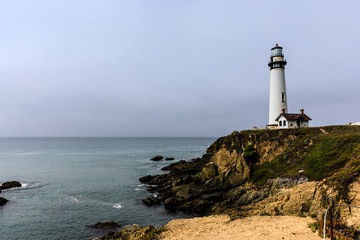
(244, 169)
(266, 172)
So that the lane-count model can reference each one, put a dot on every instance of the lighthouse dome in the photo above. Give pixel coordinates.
(276, 51)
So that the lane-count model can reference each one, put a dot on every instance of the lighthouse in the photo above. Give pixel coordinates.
(278, 98)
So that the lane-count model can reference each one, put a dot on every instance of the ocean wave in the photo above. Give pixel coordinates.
(28, 153)
(74, 199)
(117, 205)
(31, 185)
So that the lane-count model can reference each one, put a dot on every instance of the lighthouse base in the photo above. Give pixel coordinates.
(272, 126)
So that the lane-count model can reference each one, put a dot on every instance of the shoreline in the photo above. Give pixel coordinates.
(222, 227)
(250, 228)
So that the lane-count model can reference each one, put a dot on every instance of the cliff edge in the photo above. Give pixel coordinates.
(266, 172)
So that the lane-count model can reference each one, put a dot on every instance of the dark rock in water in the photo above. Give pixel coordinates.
(169, 159)
(177, 187)
(157, 158)
(151, 201)
(12, 184)
(106, 225)
(146, 178)
(151, 188)
(3, 201)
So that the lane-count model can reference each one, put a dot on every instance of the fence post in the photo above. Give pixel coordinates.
(331, 224)
(331, 217)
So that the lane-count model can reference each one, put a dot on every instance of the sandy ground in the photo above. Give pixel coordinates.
(249, 228)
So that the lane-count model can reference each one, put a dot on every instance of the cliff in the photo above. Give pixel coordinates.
(266, 172)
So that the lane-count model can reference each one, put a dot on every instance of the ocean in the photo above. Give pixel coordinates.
(70, 184)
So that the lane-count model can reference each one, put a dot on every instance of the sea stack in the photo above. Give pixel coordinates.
(278, 99)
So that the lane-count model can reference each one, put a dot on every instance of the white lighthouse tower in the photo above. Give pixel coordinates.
(278, 100)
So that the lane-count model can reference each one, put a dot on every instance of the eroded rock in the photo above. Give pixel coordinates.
(132, 232)
(263, 172)
(106, 225)
(151, 201)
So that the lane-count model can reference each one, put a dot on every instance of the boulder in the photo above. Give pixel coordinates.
(169, 159)
(3, 201)
(157, 158)
(146, 178)
(12, 184)
(106, 225)
(171, 203)
(151, 201)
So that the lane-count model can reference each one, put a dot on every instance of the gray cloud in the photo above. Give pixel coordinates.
(160, 68)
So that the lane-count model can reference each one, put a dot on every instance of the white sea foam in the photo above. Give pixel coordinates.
(74, 199)
(138, 189)
(31, 185)
(117, 205)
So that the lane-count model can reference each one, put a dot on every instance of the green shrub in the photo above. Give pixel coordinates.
(250, 153)
(335, 155)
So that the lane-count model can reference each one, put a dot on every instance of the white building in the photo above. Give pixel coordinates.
(293, 120)
(278, 113)
(278, 99)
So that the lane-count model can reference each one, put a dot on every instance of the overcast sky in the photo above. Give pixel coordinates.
(172, 68)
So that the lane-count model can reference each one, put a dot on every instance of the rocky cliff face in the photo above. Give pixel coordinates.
(267, 172)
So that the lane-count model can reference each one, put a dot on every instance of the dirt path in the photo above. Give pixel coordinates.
(251, 228)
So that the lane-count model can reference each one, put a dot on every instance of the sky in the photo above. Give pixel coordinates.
(160, 68)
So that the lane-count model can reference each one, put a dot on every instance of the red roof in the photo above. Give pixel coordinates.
(293, 116)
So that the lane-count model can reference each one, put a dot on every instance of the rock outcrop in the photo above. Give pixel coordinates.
(133, 232)
(3, 201)
(106, 225)
(157, 158)
(266, 172)
(12, 184)
(8, 185)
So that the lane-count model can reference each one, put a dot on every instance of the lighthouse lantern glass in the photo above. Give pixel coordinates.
(276, 52)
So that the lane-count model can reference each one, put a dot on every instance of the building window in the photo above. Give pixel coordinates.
(284, 123)
(280, 123)
(283, 97)
(291, 124)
